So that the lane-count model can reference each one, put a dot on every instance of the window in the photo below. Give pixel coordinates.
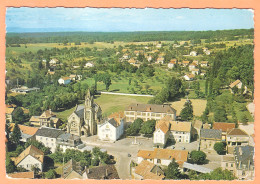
(231, 165)
(226, 164)
(158, 161)
(243, 173)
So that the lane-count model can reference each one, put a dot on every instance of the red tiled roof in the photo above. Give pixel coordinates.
(223, 126)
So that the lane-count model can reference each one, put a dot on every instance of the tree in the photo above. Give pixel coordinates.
(187, 112)
(218, 174)
(51, 174)
(18, 115)
(148, 127)
(198, 157)
(16, 134)
(220, 114)
(107, 81)
(220, 148)
(135, 127)
(173, 172)
(10, 167)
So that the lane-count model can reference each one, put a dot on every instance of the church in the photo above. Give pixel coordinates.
(83, 121)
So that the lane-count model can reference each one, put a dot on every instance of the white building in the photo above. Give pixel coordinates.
(64, 80)
(192, 66)
(172, 63)
(89, 65)
(48, 137)
(111, 129)
(193, 53)
(195, 71)
(169, 129)
(189, 77)
(29, 158)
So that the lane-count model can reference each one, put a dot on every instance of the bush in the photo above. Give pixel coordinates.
(220, 148)
(198, 157)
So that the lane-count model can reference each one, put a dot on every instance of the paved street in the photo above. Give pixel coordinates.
(120, 150)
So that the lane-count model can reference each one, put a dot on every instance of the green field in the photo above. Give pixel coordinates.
(108, 104)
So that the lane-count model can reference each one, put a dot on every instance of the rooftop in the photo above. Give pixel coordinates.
(151, 108)
(236, 132)
(25, 129)
(148, 170)
(49, 132)
(224, 127)
(211, 134)
(102, 172)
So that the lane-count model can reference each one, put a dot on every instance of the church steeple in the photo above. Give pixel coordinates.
(88, 100)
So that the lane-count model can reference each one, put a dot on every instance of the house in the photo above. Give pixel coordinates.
(224, 127)
(53, 62)
(192, 66)
(29, 158)
(9, 113)
(72, 170)
(47, 119)
(147, 170)
(89, 65)
(23, 175)
(250, 130)
(236, 137)
(75, 77)
(172, 63)
(48, 137)
(160, 60)
(125, 57)
(196, 127)
(84, 119)
(26, 131)
(195, 71)
(110, 129)
(193, 53)
(166, 129)
(237, 84)
(148, 112)
(207, 52)
(64, 80)
(244, 160)
(208, 138)
(132, 61)
(228, 162)
(163, 156)
(68, 141)
(24, 90)
(105, 172)
(149, 58)
(189, 77)
(185, 63)
(204, 63)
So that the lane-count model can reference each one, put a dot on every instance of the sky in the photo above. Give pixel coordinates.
(125, 20)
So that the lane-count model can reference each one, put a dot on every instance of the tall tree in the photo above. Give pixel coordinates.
(187, 112)
(16, 134)
(173, 172)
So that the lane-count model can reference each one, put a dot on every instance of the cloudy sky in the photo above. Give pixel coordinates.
(118, 19)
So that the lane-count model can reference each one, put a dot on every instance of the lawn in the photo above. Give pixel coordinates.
(108, 104)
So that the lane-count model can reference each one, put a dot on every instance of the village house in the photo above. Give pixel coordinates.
(26, 131)
(239, 85)
(53, 62)
(22, 175)
(193, 53)
(236, 137)
(68, 141)
(166, 129)
(208, 138)
(75, 77)
(204, 63)
(64, 80)
(172, 63)
(189, 77)
(207, 52)
(9, 109)
(224, 127)
(104, 172)
(185, 63)
(110, 129)
(162, 156)
(89, 65)
(241, 162)
(84, 119)
(160, 60)
(29, 158)
(125, 57)
(72, 170)
(147, 170)
(148, 112)
(192, 66)
(46, 119)
(195, 71)
(132, 61)
(48, 137)
(149, 58)
(24, 90)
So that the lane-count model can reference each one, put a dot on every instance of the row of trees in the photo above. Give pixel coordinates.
(139, 126)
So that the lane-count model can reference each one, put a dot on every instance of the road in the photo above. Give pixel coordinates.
(120, 150)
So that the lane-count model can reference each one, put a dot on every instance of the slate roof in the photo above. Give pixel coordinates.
(210, 134)
(67, 136)
(150, 108)
(49, 132)
(80, 111)
(244, 157)
(70, 166)
(102, 172)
